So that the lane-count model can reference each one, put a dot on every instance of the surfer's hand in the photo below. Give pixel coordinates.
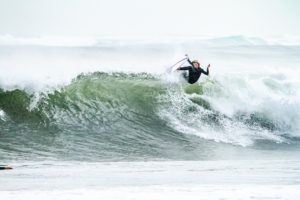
(208, 65)
(186, 55)
(178, 68)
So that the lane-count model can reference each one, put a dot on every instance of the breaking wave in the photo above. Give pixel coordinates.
(139, 114)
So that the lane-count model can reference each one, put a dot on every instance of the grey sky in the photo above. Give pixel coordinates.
(149, 18)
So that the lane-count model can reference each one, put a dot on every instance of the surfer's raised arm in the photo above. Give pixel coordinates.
(187, 67)
(207, 70)
(188, 59)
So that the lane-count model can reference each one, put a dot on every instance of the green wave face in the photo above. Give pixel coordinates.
(103, 116)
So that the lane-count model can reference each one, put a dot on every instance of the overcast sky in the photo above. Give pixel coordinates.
(149, 17)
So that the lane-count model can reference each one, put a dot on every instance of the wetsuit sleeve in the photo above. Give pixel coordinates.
(185, 68)
(205, 72)
(189, 61)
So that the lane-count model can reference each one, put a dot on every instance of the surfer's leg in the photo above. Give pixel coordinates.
(185, 75)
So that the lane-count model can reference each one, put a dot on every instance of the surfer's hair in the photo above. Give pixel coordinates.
(196, 61)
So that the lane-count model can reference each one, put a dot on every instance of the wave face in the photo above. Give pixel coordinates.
(138, 115)
(251, 102)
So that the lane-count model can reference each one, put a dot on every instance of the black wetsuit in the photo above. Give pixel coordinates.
(194, 73)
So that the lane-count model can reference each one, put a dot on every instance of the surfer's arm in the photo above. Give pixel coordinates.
(184, 68)
(5, 167)
(205, 72)
(188, 59)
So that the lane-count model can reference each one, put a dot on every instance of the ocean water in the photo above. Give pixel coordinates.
(102, 119)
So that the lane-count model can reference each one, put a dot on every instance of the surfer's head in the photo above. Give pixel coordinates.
(196, 64)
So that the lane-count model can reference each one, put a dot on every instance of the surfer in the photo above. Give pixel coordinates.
(5, 167)
(194, 71)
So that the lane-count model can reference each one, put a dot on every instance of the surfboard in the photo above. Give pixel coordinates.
(176, 65)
